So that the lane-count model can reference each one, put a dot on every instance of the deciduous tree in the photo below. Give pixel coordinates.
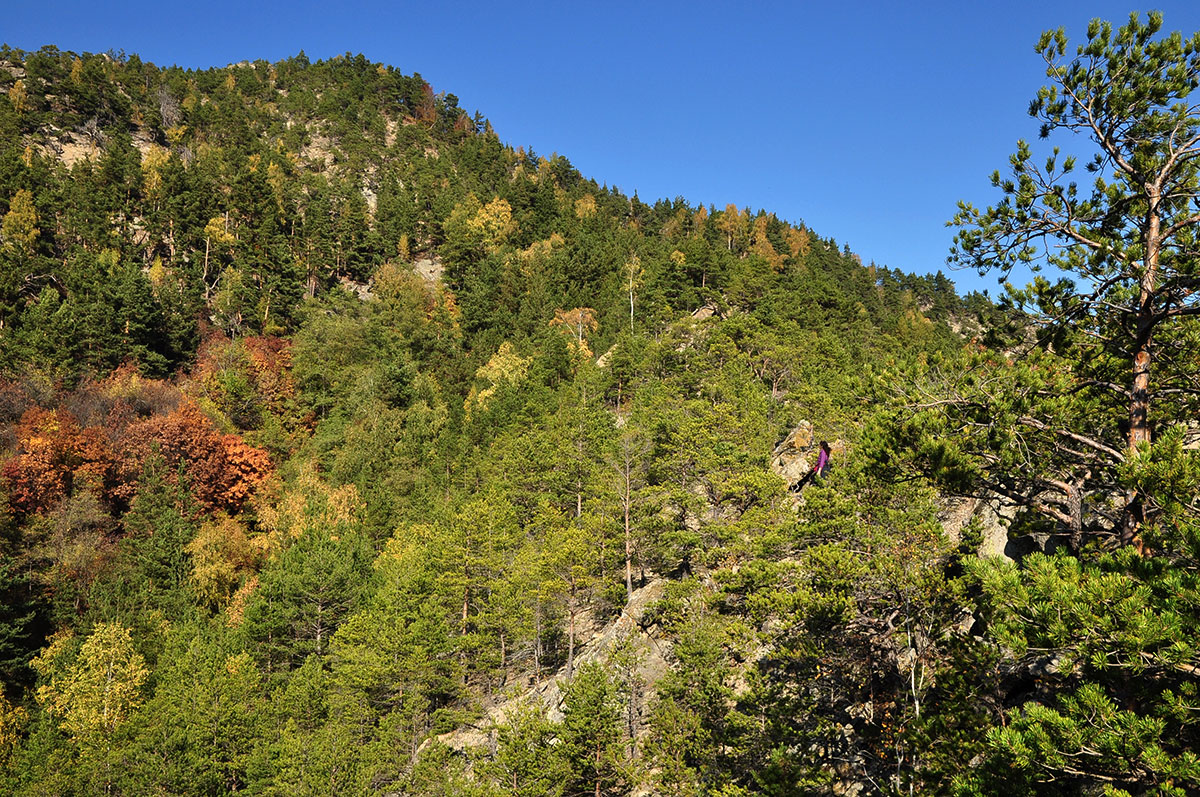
(97, 692)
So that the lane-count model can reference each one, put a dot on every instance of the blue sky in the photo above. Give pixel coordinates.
(865, 120)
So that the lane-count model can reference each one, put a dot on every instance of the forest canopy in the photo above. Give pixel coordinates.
(345, 449)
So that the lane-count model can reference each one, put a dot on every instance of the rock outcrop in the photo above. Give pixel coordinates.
(790, 460)
(993, 516)
(430, 269)
(547, 694)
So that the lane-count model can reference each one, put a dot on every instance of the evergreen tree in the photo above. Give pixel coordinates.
(1128, 239)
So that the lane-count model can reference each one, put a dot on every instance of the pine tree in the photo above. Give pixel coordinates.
(1128, 238)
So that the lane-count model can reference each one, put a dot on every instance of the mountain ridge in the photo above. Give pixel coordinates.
(304, 426)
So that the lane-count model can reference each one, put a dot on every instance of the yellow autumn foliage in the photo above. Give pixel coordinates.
(217, 233)
(585, 206)
(494, 224)
(13, 720)
(96, 692)
(19, 231)
(152, 165)
(578, 323)
(761, 244)
(532, 257)
(504, 367)
(222, 555)
(18, 96)
(798, 241)
(311, 504)
(158, 274)
(475, 224)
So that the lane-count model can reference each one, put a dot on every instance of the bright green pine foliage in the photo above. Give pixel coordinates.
(1121, 314)
(471, 412)
(1079, 414)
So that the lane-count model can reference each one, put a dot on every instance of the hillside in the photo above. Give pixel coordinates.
(346, 450)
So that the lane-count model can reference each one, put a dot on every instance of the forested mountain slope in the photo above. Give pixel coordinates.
(329, 423)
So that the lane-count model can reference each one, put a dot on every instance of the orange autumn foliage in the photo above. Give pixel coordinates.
(128, 420)
(272, 361)
(222, 469)
(761, 244)
(245, 467)
(54, 457)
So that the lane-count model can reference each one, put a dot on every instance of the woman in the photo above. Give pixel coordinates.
(822, 462)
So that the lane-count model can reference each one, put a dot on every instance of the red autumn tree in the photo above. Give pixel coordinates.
(244, 378)
(272, 360)
(222, 469)
(54, 458)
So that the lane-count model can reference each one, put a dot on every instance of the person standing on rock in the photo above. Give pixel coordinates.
(822, 466)
(816, 472)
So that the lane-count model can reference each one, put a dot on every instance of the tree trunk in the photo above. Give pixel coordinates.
(204, 273)
(310, 283)
(628, 546)
(571, 644)
(1139, 400)
(1139, 393)
(1075, 510)
(537, 645)
(579, 456)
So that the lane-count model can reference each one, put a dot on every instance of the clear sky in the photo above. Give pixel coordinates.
(865, 120)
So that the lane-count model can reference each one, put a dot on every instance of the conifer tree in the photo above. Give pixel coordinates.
(1128, 237)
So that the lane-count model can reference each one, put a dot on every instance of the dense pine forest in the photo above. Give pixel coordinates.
(345, 449)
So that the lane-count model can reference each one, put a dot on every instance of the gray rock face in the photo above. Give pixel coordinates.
(430, 269)
(790, 458)
(994, 516)
(360, 289)
(546, 695)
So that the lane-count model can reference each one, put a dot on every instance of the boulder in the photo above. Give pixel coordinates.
(799, 439)
(791, 457)
(994, 516)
